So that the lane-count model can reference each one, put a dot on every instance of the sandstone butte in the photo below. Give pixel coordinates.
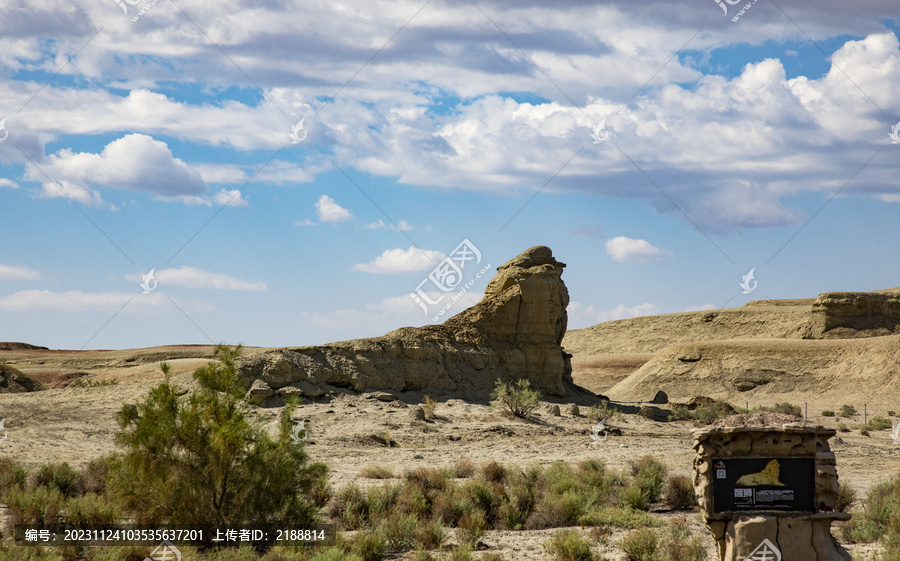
(514, 332)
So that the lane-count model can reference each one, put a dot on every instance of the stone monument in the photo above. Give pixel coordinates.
(767, 493)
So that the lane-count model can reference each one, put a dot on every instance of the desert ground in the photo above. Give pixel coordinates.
(77, 424)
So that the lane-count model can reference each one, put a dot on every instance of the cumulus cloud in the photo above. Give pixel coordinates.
(192, 277)
(329, 211)
(135, 162)
(627, 250)
(8, 183)
(18, 272)
(402, 261)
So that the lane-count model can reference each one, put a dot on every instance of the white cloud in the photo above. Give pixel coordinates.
(8, 183)
(402, 261)
(330, 211)
(191, 277)
(134, 162)
(401, 225)
(585, 316)
(224, 197)
(304, 222)
(18, 272)
(627, 250)
(76, 301)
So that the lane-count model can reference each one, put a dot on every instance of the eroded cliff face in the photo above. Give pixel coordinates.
(847, 315)
(514, 332)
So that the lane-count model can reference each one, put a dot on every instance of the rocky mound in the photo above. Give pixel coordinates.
(514, 332)
(13, 381)
(7, 346)
(832, 370)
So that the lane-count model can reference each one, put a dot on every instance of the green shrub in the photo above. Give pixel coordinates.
(848, 411)
(846, 496)
(399, 530)
(784, 408)
(682, 413)
(197, 459)
(678, 545)
(369, 546)
(878, 423)
(96, 475)
(561, 510)
(618, 517)
(518, 399)
(602, 411)
(381, 499)
(471, 527)
(81, 383)
(62, 476)
(842, 428)
(376, 472)
(430, 535)
(828, 413)
(863, 430)
(35, 505)
(461, 553)
(649, 475)
(12, 475)
(711, 412)
(679, 493)
(640, 545)
(568, 545)
(633, 497)
(91, 509)
(351, 507)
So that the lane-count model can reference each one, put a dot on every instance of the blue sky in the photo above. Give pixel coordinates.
(161, 141)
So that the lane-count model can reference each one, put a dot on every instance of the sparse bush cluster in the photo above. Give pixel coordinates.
(784, 408)
(672, 544)
(413, 513)
(877, 518)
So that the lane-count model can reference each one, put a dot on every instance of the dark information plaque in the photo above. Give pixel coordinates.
(741, 484)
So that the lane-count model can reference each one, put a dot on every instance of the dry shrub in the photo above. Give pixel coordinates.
(494, 472)
(464, 467)
(471, 527)
(679, 493)
(429, 405)
(376, 472)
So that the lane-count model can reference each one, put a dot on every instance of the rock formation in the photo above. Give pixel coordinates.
(14, 381)
(514, 332)
(845, 315)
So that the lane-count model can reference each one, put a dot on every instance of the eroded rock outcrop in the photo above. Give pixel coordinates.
(845, 315)
(514, 332)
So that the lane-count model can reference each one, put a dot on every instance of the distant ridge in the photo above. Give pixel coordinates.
(20, 347)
